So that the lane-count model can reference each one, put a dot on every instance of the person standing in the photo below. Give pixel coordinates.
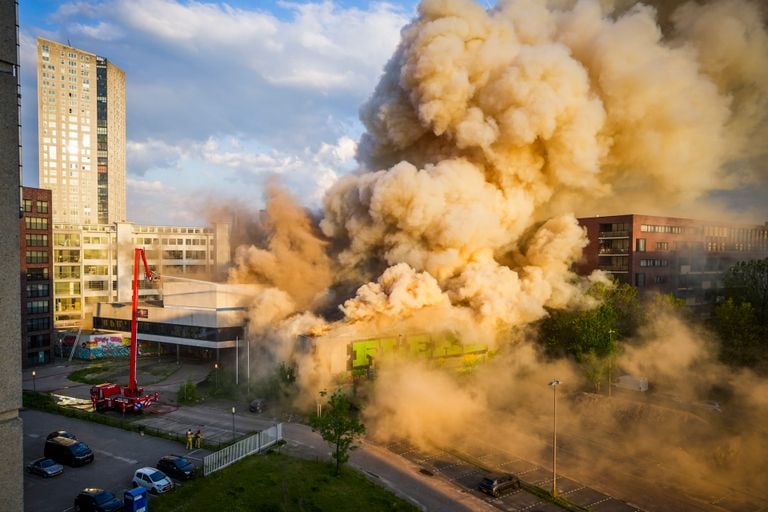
(198, 439)
(189, 439)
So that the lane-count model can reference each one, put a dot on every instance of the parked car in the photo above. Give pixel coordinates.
(61, 433)
(257, 405)
(177, 467)
(45, 467)
(497, 485)
(97, 500)
(68, 451)
(152, 480)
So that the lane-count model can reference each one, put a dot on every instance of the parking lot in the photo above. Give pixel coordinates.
(467, 476)
(118, 453)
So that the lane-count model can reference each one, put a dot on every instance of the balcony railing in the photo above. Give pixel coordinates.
(614, 251)
(613, 268)
(614, 234)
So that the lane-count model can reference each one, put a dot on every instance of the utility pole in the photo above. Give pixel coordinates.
(237, 360)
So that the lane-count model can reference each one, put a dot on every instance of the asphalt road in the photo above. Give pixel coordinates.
(118, 453)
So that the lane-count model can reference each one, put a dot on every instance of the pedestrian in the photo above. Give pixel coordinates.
(189, 439)
(198, 439)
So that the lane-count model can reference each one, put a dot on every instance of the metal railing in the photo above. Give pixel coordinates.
(241, 449)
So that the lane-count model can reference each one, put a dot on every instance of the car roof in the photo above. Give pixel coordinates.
(66, 441)
(147, 470)
(92, 490)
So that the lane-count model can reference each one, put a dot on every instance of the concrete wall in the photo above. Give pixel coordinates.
(11, 471)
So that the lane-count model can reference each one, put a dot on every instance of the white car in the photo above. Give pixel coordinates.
(152, 480)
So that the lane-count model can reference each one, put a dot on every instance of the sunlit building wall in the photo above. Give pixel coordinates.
(81, 134)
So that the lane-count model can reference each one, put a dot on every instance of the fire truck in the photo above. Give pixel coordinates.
(130, 398)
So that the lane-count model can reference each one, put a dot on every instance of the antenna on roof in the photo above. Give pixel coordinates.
(68, 43)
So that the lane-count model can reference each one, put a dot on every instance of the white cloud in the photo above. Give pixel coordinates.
(144, 185)
(216, 91)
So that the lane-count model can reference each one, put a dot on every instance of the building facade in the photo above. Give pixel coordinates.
(685, 257)
(36, 256)
(94, 263)
(81, 134)
(11, 469)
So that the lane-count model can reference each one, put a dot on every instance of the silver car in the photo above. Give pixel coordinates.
(45, 467)
(153, 480)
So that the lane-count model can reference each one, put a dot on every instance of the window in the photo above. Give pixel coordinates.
(38, 324)
(662, 246)
(660, 279)
(640, 245)
(37, 274)
(36, 240)
(27, 204)
(36, 223)
(37, 257)
(37, 306)
(173, 255)
(639, 279)
(654, 263)
(38, 290)
(38, 340)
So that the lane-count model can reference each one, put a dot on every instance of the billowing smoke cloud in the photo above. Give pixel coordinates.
(487, 131)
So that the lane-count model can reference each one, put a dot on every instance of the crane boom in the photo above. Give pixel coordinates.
(133, 389)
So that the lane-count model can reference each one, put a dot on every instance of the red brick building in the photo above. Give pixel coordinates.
(36, 242)
(685, 257)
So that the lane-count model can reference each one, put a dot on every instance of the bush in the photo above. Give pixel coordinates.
(188, 393)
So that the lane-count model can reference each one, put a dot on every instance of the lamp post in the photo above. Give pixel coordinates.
(611, 332)
(233, 423)
(554, 383)
(216, 371)
(34, 381)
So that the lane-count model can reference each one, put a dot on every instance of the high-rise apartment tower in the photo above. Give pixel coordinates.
(81, 134)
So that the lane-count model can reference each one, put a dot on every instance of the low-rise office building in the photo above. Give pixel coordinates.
(685, 257)
(93, 264)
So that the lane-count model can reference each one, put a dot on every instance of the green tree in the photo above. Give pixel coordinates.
(338, 427)
(747, 281)
(735, 323)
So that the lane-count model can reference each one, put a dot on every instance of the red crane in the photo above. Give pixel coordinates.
(128, 398)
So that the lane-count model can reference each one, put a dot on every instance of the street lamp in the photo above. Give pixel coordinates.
(233, 423)
(34, 381)
(216, 370)
(554, 383)
(611, 332)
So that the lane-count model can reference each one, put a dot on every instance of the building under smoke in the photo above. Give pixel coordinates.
(685, 257)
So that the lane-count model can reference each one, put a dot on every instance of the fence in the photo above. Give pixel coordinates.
(234, 452)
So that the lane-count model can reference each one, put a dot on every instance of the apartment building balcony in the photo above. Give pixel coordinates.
(613, 251)
(616, 269)
(613, 234)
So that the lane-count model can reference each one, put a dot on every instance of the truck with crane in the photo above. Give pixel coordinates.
(130, 398)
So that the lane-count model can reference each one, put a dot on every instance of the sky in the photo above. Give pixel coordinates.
(221, 96)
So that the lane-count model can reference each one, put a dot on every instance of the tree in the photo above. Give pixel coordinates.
(739, 331)
(747, 281)
(338, 427)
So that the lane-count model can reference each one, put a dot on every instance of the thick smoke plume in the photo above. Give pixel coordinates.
(488, 131)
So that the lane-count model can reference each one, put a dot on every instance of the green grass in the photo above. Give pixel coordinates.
(112, 370)
(94, 373)
(279, 483)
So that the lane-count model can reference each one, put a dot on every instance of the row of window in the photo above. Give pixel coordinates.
(640, 279)
(38, 306)
(38, 290)
(42, 206)
(36, 240)
(36, 223)
(640, 245)
(36, 257)
(654, 263)
(38, 324)
(655, 228)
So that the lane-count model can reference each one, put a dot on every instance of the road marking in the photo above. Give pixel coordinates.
(34, 435)
(108, 454)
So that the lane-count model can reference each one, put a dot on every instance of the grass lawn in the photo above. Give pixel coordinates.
(275, 483)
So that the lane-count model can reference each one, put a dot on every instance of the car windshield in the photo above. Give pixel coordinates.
(46, 463)
(487, 481)
(104, 497)
(182, 463)
(156, 476)
(80, 449)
